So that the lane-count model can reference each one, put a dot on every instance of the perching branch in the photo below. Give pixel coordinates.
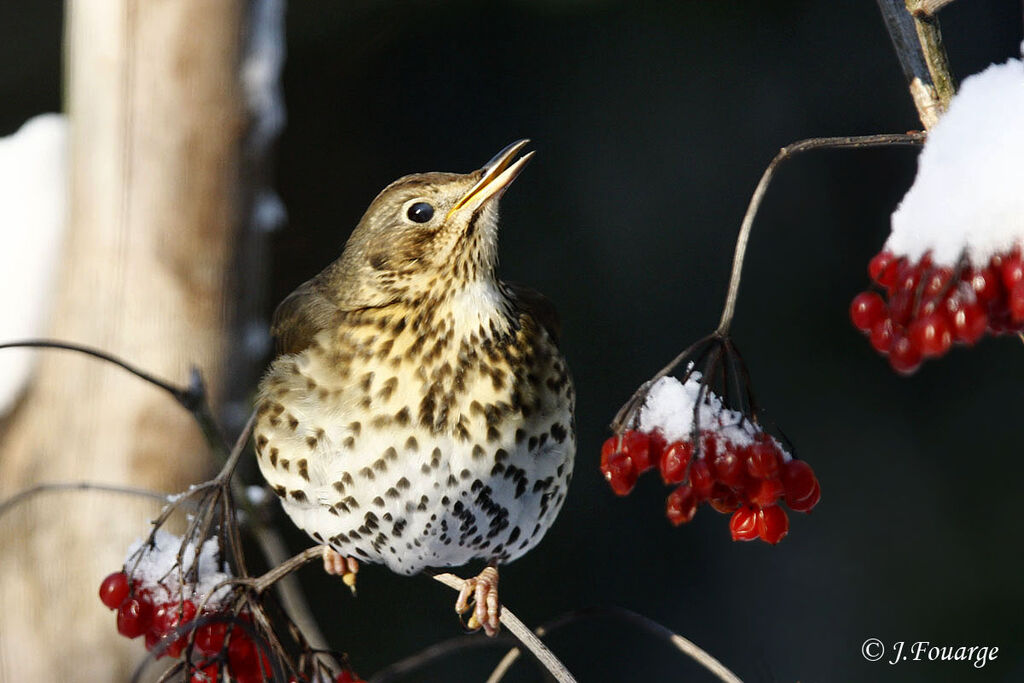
(522, 633)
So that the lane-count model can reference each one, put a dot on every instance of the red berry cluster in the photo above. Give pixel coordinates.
(929, 308)
(140, 613)
(747, 481)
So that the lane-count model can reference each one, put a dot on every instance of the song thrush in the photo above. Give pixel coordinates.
(420, 414)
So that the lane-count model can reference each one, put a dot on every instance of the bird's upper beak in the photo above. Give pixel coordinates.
(498, 174)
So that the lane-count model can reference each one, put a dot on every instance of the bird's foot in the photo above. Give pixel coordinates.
(337, 564)
(479, 596)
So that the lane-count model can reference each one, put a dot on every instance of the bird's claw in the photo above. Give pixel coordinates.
(479, 596)
(337, 564)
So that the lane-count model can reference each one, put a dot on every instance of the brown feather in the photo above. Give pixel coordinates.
(538, 306)
(303, 314)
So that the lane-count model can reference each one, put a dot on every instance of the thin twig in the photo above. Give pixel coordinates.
(787, 152)
(287, 567)
(173, 390)
(293, 600)
(192, 398)
(521, 632)
(682, 644)
(25, 494)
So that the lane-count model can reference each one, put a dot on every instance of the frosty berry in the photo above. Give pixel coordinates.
(921, 310)
(730, 463)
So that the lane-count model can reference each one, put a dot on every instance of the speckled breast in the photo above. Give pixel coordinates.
(416, 440)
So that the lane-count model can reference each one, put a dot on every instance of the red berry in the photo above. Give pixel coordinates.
(802, 489)
(1012, 271)
(969, 321)
(931, 334)
(167, 618)
(674, 461)
(743, 524)
(879, 263)
(908, 277)
(637, 445)
(766, 492)
(986, 284)
(937, 282)
(904, 355)
(242, 656)
(1016, 302)
(866, 309)
(114, 590)
(882, 334)
(797, 479)
(727, 466)
(681, 505)
(210, 637)
(772, 524)
(805, 504)
(763, 459)
(133, 616)
(701, 479)
(724, 499)
(657, 446)
(901, 306)
(620, 473)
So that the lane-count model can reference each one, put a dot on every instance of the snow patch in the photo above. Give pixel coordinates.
(154, 568)
(669, 407)
(968, 195)
(33, 216)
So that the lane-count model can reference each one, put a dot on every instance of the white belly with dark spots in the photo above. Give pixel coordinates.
(401, 495)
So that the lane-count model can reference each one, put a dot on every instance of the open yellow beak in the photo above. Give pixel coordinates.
(499, 173)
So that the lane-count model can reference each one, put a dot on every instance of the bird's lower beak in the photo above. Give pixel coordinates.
(498, 174)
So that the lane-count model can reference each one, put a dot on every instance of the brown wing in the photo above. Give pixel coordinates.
(301, 316)
(538, 306)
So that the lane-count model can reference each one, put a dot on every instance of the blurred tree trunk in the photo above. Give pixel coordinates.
(156, 120)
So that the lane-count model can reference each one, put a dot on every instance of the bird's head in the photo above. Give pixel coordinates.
(428, 234)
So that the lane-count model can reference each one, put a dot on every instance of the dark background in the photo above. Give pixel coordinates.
(652, 123)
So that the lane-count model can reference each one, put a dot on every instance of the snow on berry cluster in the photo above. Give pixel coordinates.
(951, 269)
(152, 601)
(729, 462)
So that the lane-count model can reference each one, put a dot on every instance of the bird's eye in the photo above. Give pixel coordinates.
(420, 212)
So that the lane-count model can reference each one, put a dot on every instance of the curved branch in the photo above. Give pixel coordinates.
(862, 141)
(26, 494)
(682, 644)
(192, 398)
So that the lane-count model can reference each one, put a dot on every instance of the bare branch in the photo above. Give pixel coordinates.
(520, 631)
(916, 38)
(926, 7)
(682, 644)
(787, 152)
(287, 567)
(26, 494)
